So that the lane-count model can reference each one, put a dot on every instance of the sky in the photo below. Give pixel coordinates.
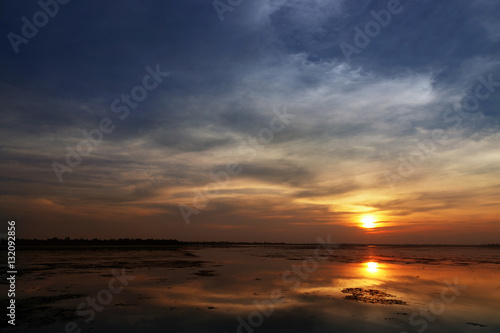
(262, 120)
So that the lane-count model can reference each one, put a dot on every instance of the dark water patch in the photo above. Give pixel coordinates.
(126, 304)
(40, 310)
(189, 254)
(205, 273)
(476, 324)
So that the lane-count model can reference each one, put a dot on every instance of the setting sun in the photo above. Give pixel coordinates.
(368, 221)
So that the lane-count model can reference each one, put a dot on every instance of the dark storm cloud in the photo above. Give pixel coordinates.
(277, 172)
(97, 52)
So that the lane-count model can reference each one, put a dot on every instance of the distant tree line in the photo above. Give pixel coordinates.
(55, 241)
(95, 242)
(124, 242)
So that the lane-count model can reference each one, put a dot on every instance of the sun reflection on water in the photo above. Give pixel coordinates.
(372, 267)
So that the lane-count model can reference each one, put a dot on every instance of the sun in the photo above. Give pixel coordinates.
(368, 221)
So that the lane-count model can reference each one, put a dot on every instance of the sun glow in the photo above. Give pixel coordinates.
(372, 266)
(368, 221)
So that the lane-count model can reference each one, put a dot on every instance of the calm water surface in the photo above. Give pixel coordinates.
(260, 289)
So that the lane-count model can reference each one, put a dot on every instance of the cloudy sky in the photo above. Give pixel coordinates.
(264, 120)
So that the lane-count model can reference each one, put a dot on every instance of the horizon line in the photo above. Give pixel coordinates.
(181, 242)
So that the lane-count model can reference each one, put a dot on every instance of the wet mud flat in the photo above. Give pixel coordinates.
(257, 288)
(371, 296)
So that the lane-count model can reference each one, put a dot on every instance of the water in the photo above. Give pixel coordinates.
(259, 289)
